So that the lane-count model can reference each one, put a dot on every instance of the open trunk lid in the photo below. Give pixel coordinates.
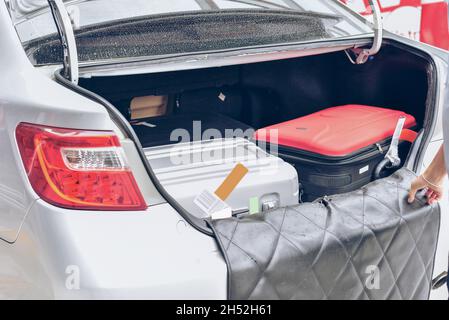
(106, 38)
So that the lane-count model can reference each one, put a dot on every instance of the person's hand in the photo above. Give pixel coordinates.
(434, 193)
(432, 180)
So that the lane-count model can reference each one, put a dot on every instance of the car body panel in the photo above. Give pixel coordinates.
(153, 244)
(152, 254)
(28, 96)
(441, 262)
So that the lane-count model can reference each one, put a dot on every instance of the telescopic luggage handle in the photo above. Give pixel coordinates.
(392, 159)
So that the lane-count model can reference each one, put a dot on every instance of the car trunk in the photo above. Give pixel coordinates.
(263, 94)
(254, 96)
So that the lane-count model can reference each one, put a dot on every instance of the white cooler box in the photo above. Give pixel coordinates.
(187, 169)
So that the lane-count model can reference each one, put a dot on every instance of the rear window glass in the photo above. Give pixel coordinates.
(120, 29)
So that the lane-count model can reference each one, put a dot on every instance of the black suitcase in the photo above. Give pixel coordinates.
(337, 150)
(325, 176)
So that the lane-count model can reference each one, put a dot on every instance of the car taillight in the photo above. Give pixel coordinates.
(78, 169)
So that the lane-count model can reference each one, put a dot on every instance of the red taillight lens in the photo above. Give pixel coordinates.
(78, 169)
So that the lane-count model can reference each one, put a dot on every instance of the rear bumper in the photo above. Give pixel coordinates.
(66, 254)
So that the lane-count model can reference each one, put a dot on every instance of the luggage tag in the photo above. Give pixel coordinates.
(213, 204)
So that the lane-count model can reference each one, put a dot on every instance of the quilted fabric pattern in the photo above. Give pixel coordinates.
(368, 244)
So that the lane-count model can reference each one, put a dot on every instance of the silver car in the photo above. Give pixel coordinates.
(82, 213)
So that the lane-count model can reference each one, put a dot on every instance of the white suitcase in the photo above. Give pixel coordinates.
(187, 169)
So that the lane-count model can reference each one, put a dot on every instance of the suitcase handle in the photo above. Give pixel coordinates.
(392, 160)
(384, 164)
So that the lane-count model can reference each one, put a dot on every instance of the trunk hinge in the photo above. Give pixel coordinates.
(359, 55)
(67, 36)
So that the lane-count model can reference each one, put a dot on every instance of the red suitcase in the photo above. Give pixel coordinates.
(335, 150)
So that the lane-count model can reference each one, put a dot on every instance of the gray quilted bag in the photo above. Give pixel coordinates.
(368, 244)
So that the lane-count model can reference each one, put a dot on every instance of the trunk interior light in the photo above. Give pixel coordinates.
(78, 169)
